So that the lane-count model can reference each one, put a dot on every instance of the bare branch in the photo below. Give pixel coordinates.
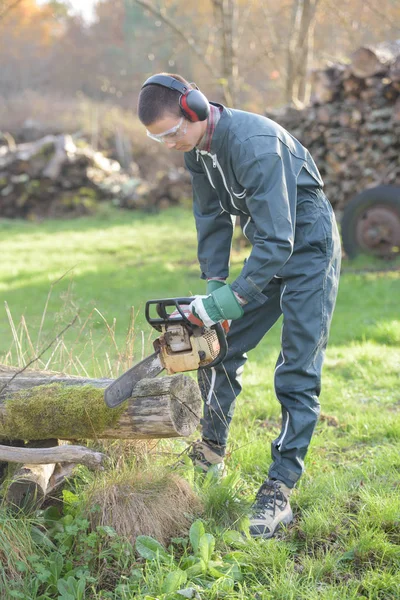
(57, 454)
(187, 39)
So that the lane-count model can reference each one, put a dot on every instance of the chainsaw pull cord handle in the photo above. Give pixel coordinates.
(164, 318)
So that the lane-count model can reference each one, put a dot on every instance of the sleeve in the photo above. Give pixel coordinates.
(271, 186)
(214, 225)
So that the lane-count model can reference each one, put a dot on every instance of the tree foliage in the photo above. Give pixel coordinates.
(250, 53)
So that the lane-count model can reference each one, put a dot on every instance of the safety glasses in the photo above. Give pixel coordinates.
(173, 134)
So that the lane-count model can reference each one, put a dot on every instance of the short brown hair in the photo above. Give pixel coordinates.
(155, 101)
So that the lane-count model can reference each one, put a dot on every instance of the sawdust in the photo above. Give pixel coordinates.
(162, 506)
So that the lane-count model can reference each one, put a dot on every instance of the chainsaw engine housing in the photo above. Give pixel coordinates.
(183, 350)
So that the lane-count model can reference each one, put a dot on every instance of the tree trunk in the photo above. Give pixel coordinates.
(227, 17)
(300, 51)
(35, 407)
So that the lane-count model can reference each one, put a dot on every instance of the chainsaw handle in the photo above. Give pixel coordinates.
(163, 316)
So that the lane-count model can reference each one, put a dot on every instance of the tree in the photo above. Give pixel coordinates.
(27, 33)
(226, 13)
(299, 51)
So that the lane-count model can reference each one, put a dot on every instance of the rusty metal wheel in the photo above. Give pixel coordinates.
(371, 223)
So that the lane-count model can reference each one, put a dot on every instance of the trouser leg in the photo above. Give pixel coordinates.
(306, 319)
(307, 300)
(221, 385)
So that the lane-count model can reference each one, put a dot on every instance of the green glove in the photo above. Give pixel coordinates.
(220, 305)
(213, 285)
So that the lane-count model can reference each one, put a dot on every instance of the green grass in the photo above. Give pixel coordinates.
(345, 541)
(103, 268)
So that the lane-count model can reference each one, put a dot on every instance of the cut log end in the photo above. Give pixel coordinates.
(185, 405)
(25, 495)
(28, 488)
(161, 408)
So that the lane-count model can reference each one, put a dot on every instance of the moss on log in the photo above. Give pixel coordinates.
(67, 412)
(37, 407)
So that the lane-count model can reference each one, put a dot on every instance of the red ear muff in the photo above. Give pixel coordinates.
(194, 105)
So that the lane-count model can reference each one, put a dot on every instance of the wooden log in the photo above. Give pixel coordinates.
(44, 470)
(396, 112)
(53, 176)
(53, 454)
(24, 152)
(169, 407)
(325, 114)
(61, 472)
(355, 129)
(352, 86)
(28, 488)
(62, 146)
(371, 60)
(394, 72)
(46, 464)
(324, 85)
(4, 463)
(34, 407)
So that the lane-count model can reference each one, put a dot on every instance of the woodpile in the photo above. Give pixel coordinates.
(352, 127)
(59, 175)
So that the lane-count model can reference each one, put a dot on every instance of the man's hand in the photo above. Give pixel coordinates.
(190, 316)
(220, 305)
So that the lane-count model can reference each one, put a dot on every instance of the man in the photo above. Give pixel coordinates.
(247, 166)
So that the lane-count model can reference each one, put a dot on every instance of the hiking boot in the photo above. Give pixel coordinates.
(270, 509)
(203, 456)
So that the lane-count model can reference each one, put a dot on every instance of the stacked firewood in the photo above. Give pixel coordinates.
(58, 176)
(352, 127)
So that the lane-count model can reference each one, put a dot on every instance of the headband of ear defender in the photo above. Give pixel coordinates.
(194, 105)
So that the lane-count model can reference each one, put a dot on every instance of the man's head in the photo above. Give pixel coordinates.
(173, 111)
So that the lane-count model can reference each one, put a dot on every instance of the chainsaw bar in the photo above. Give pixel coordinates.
(121, 389)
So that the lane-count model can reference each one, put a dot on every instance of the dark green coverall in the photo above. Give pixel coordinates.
(257, 171)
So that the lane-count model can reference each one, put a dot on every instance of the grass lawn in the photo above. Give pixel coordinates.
(345, 541)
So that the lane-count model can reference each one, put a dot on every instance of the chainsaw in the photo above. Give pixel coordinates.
(182, 346)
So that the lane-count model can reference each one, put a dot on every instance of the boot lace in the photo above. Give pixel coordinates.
(195, 453)
(269, 497)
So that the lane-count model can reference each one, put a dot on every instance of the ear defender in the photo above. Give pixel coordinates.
(194, 105)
